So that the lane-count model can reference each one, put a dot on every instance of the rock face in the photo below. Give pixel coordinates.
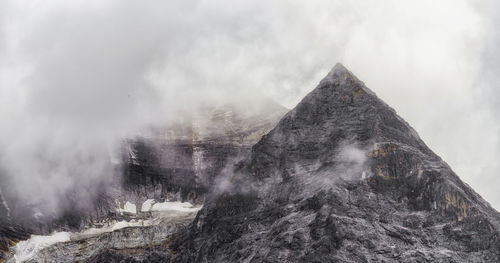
(177, 162)
(181, 161)
(342, 178)
(131, 244)
(10, 234)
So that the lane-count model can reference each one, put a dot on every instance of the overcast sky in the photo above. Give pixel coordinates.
(75, 76)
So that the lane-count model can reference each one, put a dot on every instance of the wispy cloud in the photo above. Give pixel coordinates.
(77, 76)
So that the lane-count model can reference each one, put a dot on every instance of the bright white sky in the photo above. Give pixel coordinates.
(76, 75)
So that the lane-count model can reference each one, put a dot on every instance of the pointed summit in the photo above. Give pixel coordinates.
(341, 109)
(343, 178)
(344, 81)
(339, 69)
(339, 73)
(343, 102)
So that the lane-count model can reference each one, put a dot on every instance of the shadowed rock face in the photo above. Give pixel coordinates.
(9, 235)
(342, 178)
(179, 162)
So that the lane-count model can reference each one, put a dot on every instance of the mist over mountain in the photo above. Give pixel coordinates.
(171, 165)
(196, 131)
(343, 178)
(339, 178)
(78, 76)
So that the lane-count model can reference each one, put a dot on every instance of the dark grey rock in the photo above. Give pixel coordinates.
(10, 234)
(342, 178)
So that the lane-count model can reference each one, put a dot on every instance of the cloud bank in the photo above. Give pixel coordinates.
(76, 77)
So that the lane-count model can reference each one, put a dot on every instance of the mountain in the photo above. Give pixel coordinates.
(342, 178)
(339, 178)
(170, 163)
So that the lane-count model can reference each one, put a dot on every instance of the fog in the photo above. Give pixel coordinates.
(76, 77)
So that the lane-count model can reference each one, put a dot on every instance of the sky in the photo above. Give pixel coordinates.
(77, 76)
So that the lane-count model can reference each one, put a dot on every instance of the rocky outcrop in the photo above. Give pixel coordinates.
(10, 234)
(342, 178)
(147, 243)
(181, 161)
(177, 161)
(174, 162)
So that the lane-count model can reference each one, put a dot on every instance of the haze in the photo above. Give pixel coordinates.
(78, 76)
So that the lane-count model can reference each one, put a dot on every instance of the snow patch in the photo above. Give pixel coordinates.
(116, 226)
(174, 206)
(128, 208)
(147, 205)
(27, 249)
(122, 224)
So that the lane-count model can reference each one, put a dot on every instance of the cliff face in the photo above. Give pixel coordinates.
(342, 178)
(182, 160)
(176, 162)
(146, 243)
(10, 233)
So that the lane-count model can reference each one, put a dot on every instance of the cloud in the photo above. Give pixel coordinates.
(77, 76)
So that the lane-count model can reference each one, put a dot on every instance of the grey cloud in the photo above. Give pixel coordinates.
(77, 76)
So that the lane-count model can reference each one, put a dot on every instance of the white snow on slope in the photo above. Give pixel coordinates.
(146, 206)
(151, 205)
(115, 226)
(128, 208)
(174, 206)
(25, 250)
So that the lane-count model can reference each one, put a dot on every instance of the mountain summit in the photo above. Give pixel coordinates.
(339, 72)
(339, 178)
(342, 178)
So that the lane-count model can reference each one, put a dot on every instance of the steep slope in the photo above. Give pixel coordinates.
(141, 242)
(181, 160)
(342, 178)
(175, 162)
(10, 233)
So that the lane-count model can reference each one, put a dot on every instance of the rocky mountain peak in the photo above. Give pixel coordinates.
(339, 73)
(340, 111)
(340, 178)
(343, 178)
(340, 76)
